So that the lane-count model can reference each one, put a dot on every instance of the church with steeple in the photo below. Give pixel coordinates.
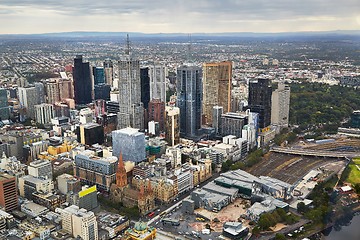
(140, 195)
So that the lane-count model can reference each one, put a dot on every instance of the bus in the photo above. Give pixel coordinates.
(170, 221)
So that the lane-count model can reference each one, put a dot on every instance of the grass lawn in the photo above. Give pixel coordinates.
(352, 173)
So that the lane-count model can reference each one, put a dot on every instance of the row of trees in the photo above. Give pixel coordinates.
(252, 159)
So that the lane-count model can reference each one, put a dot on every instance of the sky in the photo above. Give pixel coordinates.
(177, 16)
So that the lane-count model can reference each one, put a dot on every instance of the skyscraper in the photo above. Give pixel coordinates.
(157, 82)
(82, 81)
(280, 103)
(99, 75)
(172, 128)
(145, 86)
(4, 109)
(66, 89)
(260, 100)
(52, 91)
(109, 72)
(44, 113)
(157, 112)
(131, 108)
(189, 96)
(28, 98)
(216, 87)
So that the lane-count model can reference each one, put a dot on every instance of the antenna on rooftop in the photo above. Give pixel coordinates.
(189, 49)
(127, 51)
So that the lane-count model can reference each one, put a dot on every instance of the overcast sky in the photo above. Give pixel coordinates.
(171, 16)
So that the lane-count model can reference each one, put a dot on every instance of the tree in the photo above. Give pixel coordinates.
(301, 208)
(280, 236)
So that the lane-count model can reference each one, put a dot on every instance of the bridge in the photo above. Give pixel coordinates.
(314, 153)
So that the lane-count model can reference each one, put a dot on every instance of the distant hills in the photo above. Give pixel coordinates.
(85, 34)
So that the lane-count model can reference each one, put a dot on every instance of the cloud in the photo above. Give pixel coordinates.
(178, 15)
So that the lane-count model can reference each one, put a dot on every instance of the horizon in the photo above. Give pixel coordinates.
(179, 16)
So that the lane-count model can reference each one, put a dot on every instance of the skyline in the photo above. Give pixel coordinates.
(178, 16)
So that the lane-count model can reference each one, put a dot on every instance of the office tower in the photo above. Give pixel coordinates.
(172, 125)
(216, 119)
(156, 112)
(99, 75)
(82, 81)
(216, 88)
(65, 89)
(233, 123)
(40, 168)
(40, 92)
(8, 192)
(87, 198)
(52, 91)
(93, 170)
(280, 104)
(145, 86)
(260, 100)
(4, 109)
(79, 222)
(102, 91)
(90, 134)
(130, 143)
(109, 72)
(44, 113)
(28, 98)
(131, 108)
(189, 96)
(157, 82)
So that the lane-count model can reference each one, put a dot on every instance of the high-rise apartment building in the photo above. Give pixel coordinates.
(259, 100)
(131, 108)
(79, 222)
(44, 113)
(8, 192)
(109, 72)
(172, 125)
(82, 81)
(156, 112)
(216, 87)
(40, 92)
(157, 75)
(52, 91)
(189, 96)
(280, 104)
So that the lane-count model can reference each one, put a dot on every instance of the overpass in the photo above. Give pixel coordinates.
(314, 153)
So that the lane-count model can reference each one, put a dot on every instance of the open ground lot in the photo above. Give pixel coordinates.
(189, 223)
(289, 168)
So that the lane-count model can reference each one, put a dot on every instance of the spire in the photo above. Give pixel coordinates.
(120, 162)
(121, 176)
